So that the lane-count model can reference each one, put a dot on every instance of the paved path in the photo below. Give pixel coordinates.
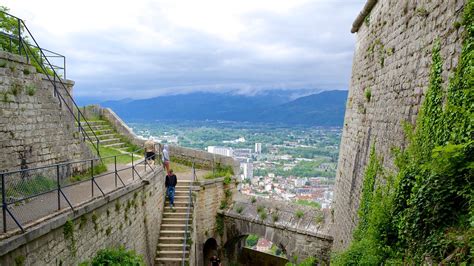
(47, 204)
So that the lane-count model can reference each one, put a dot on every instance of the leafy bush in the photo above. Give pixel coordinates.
(31, 89)
(299, 214)
(251, 240)
(239, 209)
(116, 257)
(221, 171)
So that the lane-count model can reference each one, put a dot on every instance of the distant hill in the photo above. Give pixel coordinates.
(322, 109)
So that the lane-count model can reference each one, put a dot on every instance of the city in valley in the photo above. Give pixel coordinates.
(276, 162)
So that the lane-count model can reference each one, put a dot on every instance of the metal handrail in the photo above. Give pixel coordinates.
(54, 80)
(190, 202)
(59, 187)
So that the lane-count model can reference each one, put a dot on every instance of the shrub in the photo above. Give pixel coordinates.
(253, 199)
(263, 214)
(31, 89)
(251, 240)
(239, 209)
(299, 214)
(118, 256)
(368, 94)
(275, 217)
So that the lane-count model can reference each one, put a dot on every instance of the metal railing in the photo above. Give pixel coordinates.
(21, 41)
(186, 231)
(31, 194)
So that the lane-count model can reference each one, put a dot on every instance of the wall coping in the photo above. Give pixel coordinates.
(291, 229)
(49, 223)
(22, 60)
(363, 13)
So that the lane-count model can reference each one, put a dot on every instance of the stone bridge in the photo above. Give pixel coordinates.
(300, 231)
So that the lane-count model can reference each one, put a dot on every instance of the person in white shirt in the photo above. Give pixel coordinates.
(166, 158)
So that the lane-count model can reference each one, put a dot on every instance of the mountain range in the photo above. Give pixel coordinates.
(322, 109)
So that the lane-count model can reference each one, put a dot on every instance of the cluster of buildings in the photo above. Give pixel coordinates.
(244, 156)
(272, 186)
(315, 189)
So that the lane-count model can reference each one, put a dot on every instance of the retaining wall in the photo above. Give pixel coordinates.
(129, 217)
(34, 129)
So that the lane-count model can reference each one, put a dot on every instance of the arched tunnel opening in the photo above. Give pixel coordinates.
(252, 250)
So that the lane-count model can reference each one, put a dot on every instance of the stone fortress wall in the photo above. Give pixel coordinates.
(34, 129)
(390, 75)
(129, 217)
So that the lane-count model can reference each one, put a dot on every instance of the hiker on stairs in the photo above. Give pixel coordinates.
(170, 183)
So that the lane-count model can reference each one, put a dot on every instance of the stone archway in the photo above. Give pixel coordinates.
(210, 249)
(234, 252)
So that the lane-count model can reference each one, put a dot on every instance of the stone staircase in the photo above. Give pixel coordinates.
(173, 225)
(108, 137)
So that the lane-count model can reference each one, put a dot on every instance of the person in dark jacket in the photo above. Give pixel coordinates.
(170, 183)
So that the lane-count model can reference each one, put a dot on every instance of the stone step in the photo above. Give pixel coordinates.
(174, 227)
(171, 233)
(177, 203)
(97, 127)
(176, 215)
(109, 141)
(94, 122)
(175, 247)
(178, 208)
(99, 132)
(169, 261)
(171, 254)
(176, 220)
(171, 239)
(106, 136)
(116, 145)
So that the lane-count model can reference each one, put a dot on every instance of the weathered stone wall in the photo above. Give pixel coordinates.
(296, 243)
(301, 236)
(34, 129)
(209, 196)
(129, 217)
(202, 159)
(392, 60)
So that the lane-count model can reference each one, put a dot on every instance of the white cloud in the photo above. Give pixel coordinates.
(116, 48)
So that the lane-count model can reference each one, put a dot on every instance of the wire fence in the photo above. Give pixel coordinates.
(31, 194)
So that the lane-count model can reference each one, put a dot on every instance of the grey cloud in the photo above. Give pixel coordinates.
(121, 63)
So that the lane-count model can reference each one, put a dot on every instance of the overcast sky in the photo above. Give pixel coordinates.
(139, 49)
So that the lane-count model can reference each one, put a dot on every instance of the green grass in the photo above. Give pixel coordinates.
(122, 159)
(84, 175)
(32, 186)
(309, 203)
(179, 168)
(220, 171)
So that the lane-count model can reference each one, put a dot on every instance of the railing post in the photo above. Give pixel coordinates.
(115, 163)
(19, 36)
(79, 121)
(92, 177)
(4, 205)
(133, 169)
(98, 151)
(59, 187)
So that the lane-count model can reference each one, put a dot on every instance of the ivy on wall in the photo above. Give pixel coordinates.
(425, 212)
